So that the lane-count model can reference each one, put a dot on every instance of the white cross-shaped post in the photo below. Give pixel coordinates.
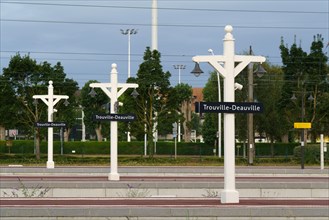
(229, 71)
(116, 90)
(50, 100)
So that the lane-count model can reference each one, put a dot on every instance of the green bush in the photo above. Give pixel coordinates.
(137, 148)
(103, 148)
(280, 149)
(311, 153)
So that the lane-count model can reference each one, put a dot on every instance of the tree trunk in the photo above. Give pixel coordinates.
(2, 133)
(99, 135)
(37, 143)
(186, 110)
(285, 138)
(272, 147)
(67, 134)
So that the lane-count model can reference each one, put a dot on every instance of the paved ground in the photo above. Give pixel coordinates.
(164, 208)
(151, 202)
(162, 178)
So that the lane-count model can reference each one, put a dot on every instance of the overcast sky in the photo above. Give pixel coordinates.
(85, 35)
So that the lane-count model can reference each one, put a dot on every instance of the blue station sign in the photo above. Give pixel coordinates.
(49, 124)
(229, 107)
(114, 117)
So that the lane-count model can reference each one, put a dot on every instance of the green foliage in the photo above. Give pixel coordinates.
(210, 125)
(27, 78)
(311, 154)
(280, 149)
(137, 148)
(103, 148)
(92, 105)
(153, 99)
(270, 123)
(304, 75)
(7, 108)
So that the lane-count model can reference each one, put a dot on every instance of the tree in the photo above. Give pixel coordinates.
(27, 78)
(181, 99)
(92, 105)
(210, 125)
(269, 123)
(152, 102)
(7, 108)
(304, 75)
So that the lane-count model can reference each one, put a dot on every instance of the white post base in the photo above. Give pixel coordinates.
(114, 176)
(229, 196)
(50, 164)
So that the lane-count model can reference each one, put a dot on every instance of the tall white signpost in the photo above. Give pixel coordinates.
(50, 100)
(116, 90)
(229, 71)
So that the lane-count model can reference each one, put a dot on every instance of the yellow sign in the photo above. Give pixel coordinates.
(302, 125)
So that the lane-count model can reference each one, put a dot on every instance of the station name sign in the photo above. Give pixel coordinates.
(229, 107)
(114, 117)
(49, 124)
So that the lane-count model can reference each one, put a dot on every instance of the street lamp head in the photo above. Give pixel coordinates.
(133, 31)
(134, 94)
(310, 98)
(197, 70)
(211, 51)
(293, 97)
(179, 66)
(260, 71)
(238, 86)
(92, 93)
(124, 32)
(66, 103)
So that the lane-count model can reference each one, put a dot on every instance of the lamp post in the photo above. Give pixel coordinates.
(129, 32)
(303, 134)
(250, 118)
(229, 71)
(179, 67)
(83, 126)
(116, 90)
(219, 114)
(51, 100)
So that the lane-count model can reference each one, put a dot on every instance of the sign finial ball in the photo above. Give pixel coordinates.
(228, 29)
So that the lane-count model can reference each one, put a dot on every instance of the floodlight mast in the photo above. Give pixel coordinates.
(229, 71)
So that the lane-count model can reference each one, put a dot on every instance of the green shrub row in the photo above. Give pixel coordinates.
(137, 148)
(279, 149)
(93, 147)
(311, 153)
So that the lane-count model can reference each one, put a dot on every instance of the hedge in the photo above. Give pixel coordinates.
(280, 149)
(311, 153)
(137, 148)
(93, 147)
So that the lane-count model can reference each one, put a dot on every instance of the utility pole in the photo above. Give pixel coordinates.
(250, 117)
